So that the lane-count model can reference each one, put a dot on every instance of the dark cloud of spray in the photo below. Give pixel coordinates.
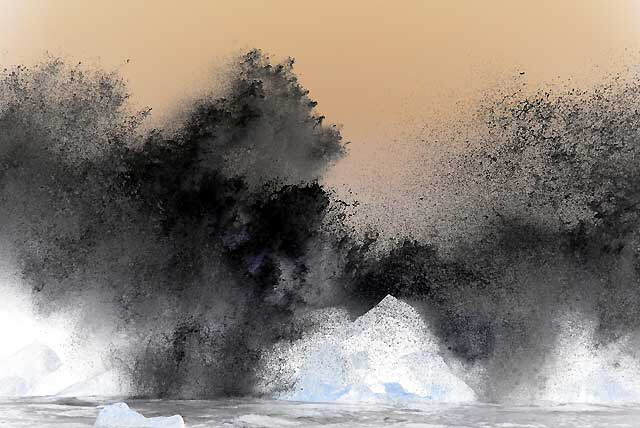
(542, 221)
(196, 243)
(201, 244)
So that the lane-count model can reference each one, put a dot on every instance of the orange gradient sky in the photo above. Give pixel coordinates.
(365, 61)
(382, 69)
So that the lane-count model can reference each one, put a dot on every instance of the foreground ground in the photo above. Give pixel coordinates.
(76, 413)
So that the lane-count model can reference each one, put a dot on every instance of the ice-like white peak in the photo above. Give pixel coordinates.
(387, 354)
(23, 370)
(392, 324)
(107, 384)
(119, 415)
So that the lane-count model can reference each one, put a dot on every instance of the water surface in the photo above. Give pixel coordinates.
(249, 413)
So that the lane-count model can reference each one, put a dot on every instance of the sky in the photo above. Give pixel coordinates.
(388, 72)
(365, 61)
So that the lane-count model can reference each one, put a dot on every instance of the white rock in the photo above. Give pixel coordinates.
(388, 354)
(107, 384)
(62, 378)
(119, 415)
(20, 372)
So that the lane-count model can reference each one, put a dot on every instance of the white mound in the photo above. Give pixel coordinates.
(57, 381)
(108, 384)
(22, 371)
(119, 415)
(387, 354)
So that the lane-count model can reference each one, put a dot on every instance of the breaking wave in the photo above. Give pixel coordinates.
(205, 258)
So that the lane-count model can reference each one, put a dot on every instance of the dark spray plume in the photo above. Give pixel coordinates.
(547, 201)
(195, 243)
(203, 243)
